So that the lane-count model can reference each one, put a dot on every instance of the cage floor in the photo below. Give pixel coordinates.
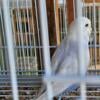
(93, 93)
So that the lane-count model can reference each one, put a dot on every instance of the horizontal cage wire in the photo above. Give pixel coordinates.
(27, 38)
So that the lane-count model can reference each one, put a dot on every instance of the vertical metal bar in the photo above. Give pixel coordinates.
(29, 34)
(94, 26)
(81, 49)
(26, 33)
(99, 31)
(18, 43)
(78, 8)
(9, 38)
(38, 29)
(19, 8)
(91, 49)
(3, 44)
(61, 31)
(83, 9)
(65, 16)
(45, 42)
(23, 19)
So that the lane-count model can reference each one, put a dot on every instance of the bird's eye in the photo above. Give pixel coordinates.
(86, 25)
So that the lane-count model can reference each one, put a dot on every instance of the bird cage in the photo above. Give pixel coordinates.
(30, 32)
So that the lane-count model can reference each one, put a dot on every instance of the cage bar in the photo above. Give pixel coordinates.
(9, 38)
(45, 42)
(81, 50)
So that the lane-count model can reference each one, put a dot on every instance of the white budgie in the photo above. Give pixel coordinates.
(65, 59)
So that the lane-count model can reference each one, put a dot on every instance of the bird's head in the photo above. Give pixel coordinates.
(86, 26)
(82, 24)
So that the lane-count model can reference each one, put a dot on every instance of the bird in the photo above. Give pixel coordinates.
(65, 59)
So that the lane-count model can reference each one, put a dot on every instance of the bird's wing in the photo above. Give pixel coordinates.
(65, 57)
(58, 55)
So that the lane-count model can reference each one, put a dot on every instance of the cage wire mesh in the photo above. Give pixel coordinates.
(27, 43)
